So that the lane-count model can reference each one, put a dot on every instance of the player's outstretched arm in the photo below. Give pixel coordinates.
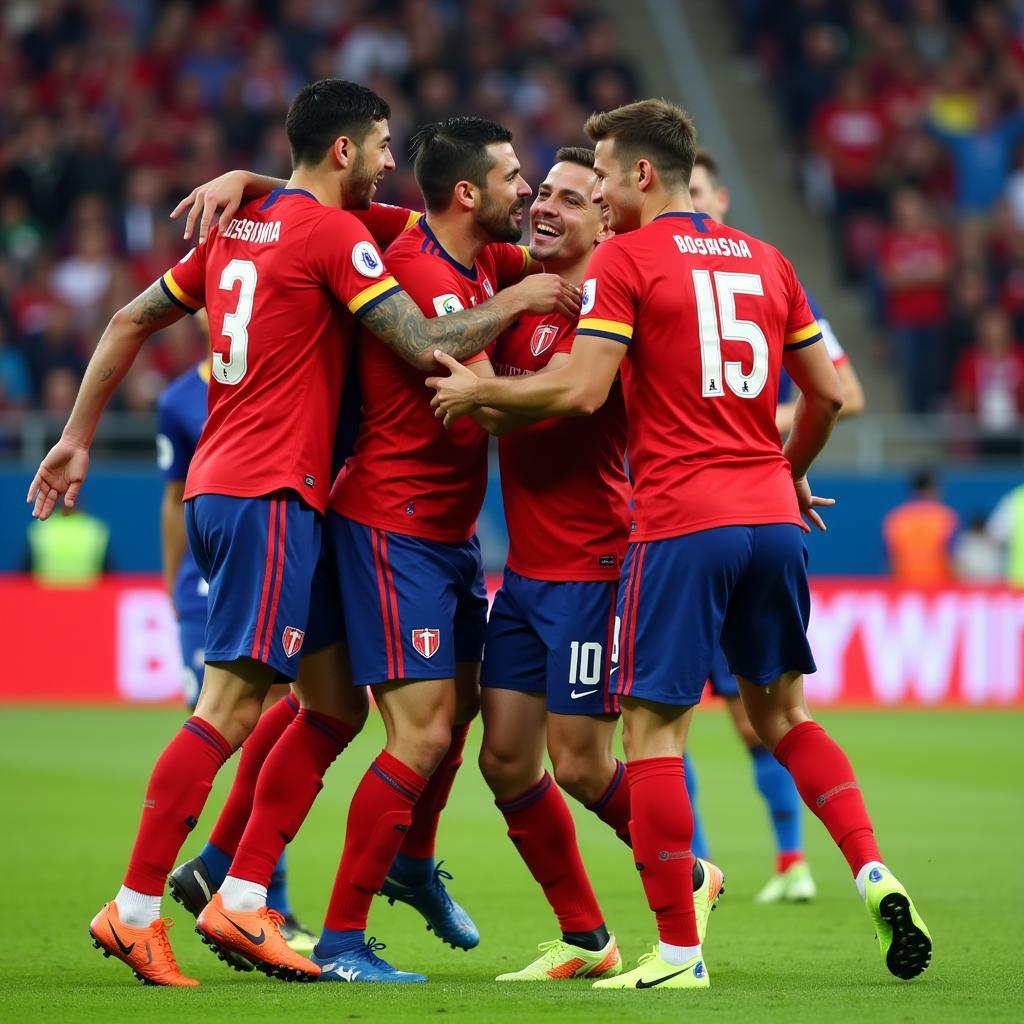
(67, 462)
(400, 324)
(225, 193)
(577, 388)
(497, 422)
(817, 409)
(853, 399)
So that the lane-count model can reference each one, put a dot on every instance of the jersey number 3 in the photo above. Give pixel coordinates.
(717, 323)
(236, 325)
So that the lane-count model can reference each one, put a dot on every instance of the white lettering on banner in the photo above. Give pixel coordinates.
(148, 657)
(958, 645)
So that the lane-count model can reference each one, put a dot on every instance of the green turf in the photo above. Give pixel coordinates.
(946, 791)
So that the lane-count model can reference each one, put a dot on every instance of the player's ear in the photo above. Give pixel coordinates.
(344, 151)
(644, 171)
(465, 195)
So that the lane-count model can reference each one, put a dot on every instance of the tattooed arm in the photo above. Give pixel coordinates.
(65, 466)
(400, 324)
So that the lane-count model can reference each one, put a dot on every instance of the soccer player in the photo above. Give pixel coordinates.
(792, 881)
(278, 285)
(706, 316)
(548, 641)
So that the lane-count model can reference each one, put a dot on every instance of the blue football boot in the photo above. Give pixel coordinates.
(362, 964)
(444, 917)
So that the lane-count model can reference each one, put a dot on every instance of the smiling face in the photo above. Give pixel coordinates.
(616, 189)
(371, 161)
(565, 223)
(502, 199)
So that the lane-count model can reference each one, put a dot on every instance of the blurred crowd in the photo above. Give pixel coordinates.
(111, 110)
(908, 120)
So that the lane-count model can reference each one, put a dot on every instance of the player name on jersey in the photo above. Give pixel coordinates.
(254, 231)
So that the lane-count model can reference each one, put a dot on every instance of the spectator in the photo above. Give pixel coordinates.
(976, 555)
(82, 278)
(55, 347)
(1006, 528)
(989, 384)
(918, 534)
(915, 263)
(15, 377)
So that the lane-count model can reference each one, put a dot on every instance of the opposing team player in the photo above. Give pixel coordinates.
(549, 635)
(706, 316)
(792, 879)
(274, 284)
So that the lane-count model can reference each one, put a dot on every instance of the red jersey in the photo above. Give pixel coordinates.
(385, 222)
(407, 473)
(563, 481)
(927, 256)
(706, 312)
(280, 285)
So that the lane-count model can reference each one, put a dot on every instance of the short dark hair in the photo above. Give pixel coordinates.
(923, 479)
(327, 109)
(575, 155)
(450, 151)
(702, 158)
(654, 130)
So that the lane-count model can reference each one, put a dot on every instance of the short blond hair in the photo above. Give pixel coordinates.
(654, 130)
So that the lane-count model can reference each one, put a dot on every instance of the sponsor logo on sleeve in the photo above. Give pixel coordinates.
(589, 295)
(444, 304)
(366, 260)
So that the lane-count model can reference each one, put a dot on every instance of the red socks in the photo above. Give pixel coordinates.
(177, 792)
(422, 835)
(378, 819)
(235, 814)
(825, 780)
(662, 829)
(612, 806)
(289, 782)
(541, 827)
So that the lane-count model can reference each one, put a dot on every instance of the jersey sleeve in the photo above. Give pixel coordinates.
(347, 260)
(511, 262)
(185, 283)
(801, 326)
(173, 448)
(610, 296)
(385, 222)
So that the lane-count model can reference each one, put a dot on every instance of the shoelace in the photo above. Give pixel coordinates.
(372, 945)
(163, 944)
(440, 877)
(647, 958)
(276, 918)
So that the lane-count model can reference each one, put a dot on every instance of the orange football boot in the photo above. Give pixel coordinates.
(147, 951)
(256, 935)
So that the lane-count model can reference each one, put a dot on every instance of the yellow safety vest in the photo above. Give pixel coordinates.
(68, 551)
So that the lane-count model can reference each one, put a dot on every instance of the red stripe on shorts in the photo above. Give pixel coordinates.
(384, 609)
(609, 700)
(634, 604)
(282, 515)
(268, 570)
(393, 605)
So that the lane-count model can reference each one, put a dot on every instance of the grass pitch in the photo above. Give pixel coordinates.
(946, 790)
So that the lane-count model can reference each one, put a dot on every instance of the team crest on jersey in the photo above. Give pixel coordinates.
(449, 303)
(589, 295)
(542, 338)
(426, 641)
(291, 640)
(366, 260)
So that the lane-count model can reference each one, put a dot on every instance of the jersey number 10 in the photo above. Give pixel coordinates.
(717, 322)
(236, 325)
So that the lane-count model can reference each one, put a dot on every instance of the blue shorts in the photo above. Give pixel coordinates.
(258, 555)
(412, 607)
(192, 637)
(553, 638)
(743, 588)
(326, 624)
(723, 682)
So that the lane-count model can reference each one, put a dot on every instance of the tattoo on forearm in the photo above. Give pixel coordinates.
(398, 322)
(106, 374)
(151, 307)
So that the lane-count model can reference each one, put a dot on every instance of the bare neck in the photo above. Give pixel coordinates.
(457, 235)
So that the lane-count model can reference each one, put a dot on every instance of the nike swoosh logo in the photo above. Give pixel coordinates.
(117, 938)
(256, 940)
(613, 670)
(202, 885)
(658, 981)
(585, 693)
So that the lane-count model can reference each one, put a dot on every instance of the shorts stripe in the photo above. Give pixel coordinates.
(268, 571)
(610, 700)
(282, 520)
(393, 604)
(385, 610)
(633, 597)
